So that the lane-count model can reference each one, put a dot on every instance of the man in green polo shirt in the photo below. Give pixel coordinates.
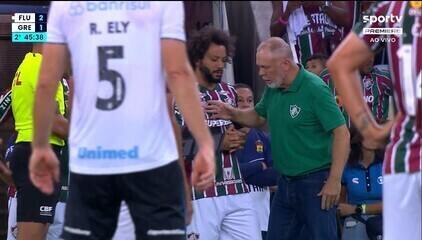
(310, 139)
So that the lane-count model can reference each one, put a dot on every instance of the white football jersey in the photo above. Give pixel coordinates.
(120, 123)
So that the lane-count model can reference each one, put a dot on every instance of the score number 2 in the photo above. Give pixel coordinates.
(112, 76)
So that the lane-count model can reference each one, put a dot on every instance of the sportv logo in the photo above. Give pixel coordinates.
(373, 30)
(382, 19)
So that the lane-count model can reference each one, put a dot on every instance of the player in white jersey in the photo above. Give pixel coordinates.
(121, 142)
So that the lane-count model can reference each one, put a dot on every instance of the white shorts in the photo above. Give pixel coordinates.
(12, 227)
(402, 206)
(261, 204)
(54, 229)
(224, 218)
(125, 228)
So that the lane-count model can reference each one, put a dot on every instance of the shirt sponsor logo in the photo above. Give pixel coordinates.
(355, 180)
(78, 8)
(218, 123)
(100, 153)
(236, 181)
(294, 111)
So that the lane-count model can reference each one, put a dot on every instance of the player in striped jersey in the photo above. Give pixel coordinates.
(402, 163)
(222, 211)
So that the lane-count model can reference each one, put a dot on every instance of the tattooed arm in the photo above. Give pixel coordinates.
(343, 66)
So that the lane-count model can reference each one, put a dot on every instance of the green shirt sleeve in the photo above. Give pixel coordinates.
(261, 106)
(326, 109)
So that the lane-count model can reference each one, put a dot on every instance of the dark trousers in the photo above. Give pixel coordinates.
(296, 210)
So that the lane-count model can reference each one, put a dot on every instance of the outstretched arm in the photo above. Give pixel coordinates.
(44, 165)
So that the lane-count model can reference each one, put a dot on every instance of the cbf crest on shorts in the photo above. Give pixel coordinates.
(294, 111)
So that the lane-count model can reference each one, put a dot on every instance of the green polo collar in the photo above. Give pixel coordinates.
(297, 81)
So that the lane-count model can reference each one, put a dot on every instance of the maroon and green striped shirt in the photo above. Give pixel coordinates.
(228, 179)
(377, 89)
(404, 152)
(319, 35)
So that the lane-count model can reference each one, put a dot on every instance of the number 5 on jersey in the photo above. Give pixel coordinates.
(113, 77)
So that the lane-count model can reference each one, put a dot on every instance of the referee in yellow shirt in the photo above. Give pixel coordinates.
(35, 210)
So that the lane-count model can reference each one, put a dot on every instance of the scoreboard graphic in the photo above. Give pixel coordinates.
(29, 27)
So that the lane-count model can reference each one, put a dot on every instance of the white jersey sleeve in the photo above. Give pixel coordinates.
(172, 25)
(54, 22)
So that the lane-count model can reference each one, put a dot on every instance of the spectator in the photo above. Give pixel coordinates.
(316, 63)
(255, 162)
(377, 89)
(376, 85)
(311, 26)
(361, 192)
(309, 143)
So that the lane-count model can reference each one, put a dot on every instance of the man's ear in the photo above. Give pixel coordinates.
(283, 62)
